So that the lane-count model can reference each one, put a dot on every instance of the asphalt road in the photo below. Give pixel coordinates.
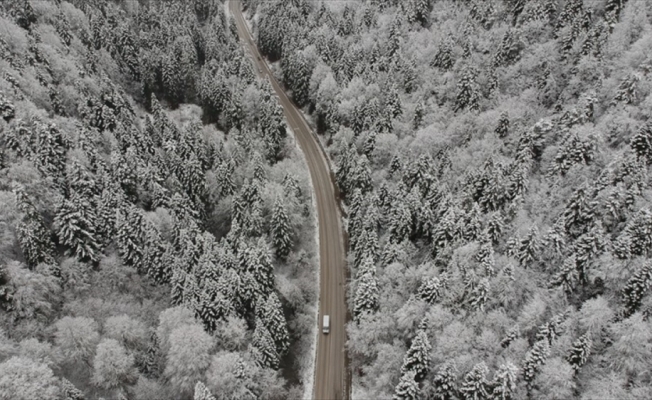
(331, 377)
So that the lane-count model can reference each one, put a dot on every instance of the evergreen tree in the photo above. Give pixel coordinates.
(503, 125)
(69, 391)
(504, 384)
(272, 316)
(580, 352)
(52, 146)
(475, 385)
(130, 236)
(367, 293)
(202, 392)
(281, 231)
(407, 388)
(467, 91)
(534, 359)
(34, 237)
(444, 383)
(444, 57)
(567, 277)
(478, 297)
(636, 288)
(393, 103)
(264, 343)
(417, 357)
(75, 222)
(430, 290)
(512, 335)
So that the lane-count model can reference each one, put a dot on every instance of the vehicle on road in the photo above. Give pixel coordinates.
(326, 327)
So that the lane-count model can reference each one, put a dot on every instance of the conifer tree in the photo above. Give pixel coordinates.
(52, 146)
(580, 352)
(467, 91)
(475, 385)
(567, 277)
(503, 125)
(504, 384)
(512, 335)
(202, 392)
(264, 343)
(407, 388)
(33, 236)
(534, 359)
(75, 223)
(444, 57)
(69, 391)
(281, 231)
(393, 102)
(367, 294)
(445, 383)
(130, 236)
(417, 358)
(430, 290)
(272, 316)
(636, 288)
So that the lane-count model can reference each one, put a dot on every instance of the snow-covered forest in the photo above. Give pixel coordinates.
(157, 236)
(494, 157)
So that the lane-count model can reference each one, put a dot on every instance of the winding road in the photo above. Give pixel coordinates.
(332, 380)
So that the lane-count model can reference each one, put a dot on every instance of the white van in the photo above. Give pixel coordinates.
(327, 324)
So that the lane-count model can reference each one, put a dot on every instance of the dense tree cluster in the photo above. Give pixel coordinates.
(154, 219)
(493, 159)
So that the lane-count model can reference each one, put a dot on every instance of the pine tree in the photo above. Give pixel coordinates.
(528, 248)
(444, 382)
(75, 223)
(272, 316)
(407, 388)
(551, 329)
(641, 142)
(52, 146)
(475, 385)
(579, 212)
(467, 91)
(512, 335)
(503, 125)
(479, 294)
(567, 277)
(130, 236)
(202, 392)
(33, 236)
(444, 57)
(417, 358)
(393, 102)
(430, 290)
(504, 384)
(281, 231)
(534, 359)
(636, 288)
(580, 352)
(367, 293)
(264, 343)
(69, 391)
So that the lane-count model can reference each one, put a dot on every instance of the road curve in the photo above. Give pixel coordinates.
(331, 376)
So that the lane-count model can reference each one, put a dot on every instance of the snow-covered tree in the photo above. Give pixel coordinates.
(407, 388)
(75, 223)
(475, 385)
(202, 392)
(534, 359)
(263, 342)
(281, 230)
(417, 357)
(445, 382)
(580, 352)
